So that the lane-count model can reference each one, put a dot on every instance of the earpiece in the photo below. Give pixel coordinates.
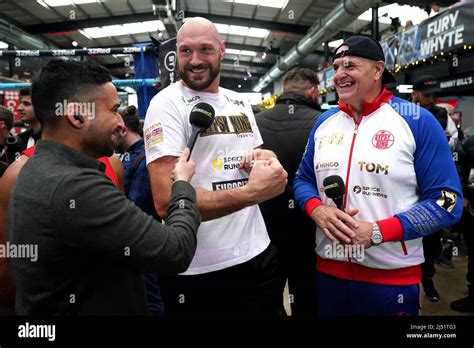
(79, 118)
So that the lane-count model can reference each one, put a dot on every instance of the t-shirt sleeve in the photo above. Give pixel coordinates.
(164, 129)
(253, 123)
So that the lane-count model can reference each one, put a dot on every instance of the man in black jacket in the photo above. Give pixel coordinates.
(84, 244)
(466, 304)
(424, 93)
(285, 130)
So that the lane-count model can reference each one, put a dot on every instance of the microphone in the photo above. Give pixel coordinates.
(201, 118)
(334, 188)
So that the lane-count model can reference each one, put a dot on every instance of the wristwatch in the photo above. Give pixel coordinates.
(376, 237)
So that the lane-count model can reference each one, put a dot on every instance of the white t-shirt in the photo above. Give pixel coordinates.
(453, 131)
(235, 238)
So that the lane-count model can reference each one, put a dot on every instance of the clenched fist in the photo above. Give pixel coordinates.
(267, 180)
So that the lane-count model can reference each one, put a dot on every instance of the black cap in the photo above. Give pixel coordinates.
(426, 84)
(365, 47)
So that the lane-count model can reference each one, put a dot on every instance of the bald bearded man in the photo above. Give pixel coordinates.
(235, 272)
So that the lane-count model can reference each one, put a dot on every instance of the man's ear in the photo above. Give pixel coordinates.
(124, 131)
(222, 50)
(379, 69)
(74, 117)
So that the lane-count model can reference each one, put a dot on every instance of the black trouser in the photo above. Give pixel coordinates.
(298, 263)
(431, 249)
(250, 290)
(468, 221)
(469, 239)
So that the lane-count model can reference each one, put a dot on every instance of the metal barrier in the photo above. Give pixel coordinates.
(74, 52)
(117, 83)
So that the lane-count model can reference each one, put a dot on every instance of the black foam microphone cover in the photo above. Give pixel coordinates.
(334, 188)
(201, 118)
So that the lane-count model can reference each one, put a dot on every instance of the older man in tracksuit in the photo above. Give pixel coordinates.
(400, 185)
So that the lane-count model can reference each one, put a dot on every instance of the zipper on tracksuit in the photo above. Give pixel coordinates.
(356, 130)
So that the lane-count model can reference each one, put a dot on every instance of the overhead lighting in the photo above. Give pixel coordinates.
(257, 32)
(238, 30)
(242, 31)
(248, 53)
(57, 3)
(222, 28)
(264, 3)
(240, 52)
(335, 43)
(403, 12)
(124, 29)
(74, 43)
(3, 45)
(232, 51)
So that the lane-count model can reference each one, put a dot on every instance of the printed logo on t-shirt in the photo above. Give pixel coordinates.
(190, 100)
(227, 163)
(218, 164)
(235, 101)
(383, 139)
(153, 135)
(238, 124)
(227, 185)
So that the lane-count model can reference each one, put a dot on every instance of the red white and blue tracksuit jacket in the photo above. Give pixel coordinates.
(398, 171)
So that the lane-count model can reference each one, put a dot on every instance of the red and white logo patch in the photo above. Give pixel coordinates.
(383, 139)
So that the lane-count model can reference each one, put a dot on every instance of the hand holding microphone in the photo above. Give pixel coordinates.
(184, 168)
(337, 225)
(201, 118)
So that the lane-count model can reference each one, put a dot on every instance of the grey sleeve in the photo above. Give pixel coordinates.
(92, 215)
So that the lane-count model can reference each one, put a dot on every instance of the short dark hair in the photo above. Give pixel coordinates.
(61, 80)
(131, 119)
(297, 80)
(6, 115)
(25, 91)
